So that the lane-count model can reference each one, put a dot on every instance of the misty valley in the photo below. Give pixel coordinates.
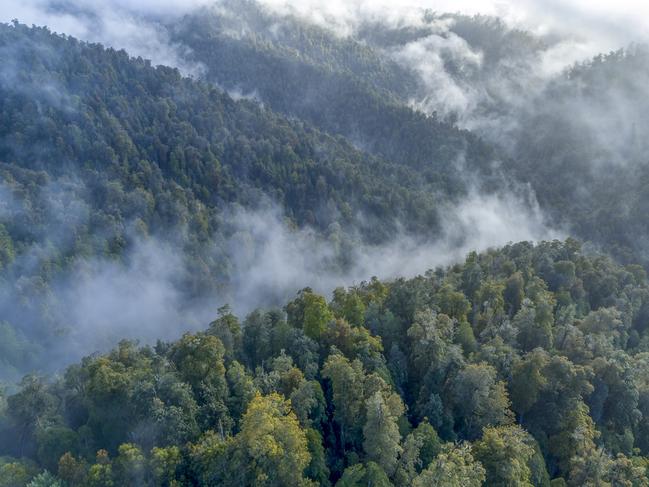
(344, 244)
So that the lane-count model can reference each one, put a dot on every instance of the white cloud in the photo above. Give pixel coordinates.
(594, 26)
(271, 261)
(591, 26)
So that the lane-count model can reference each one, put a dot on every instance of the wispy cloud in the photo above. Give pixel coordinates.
(598, 25)
(133, 26)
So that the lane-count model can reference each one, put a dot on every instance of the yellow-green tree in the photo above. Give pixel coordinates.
(130, 465)
(163, 464)
(271, 445)
(101, 473)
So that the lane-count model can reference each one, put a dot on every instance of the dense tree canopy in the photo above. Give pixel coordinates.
(429, 412)
(524, 365)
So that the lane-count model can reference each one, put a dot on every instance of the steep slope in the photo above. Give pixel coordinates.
(576, 137)
(582, 144)
(69, 106)
(340, 85)
(100, 151)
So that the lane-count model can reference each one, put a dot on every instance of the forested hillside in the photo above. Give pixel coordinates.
(71, 108)
(99, 151)
(522, 366)
(466, 204)
(342, 86)
(584, 149)
(396, 91)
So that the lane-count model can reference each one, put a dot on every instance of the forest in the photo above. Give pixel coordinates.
(252, 243)
(575, 129)
(98, 150)
(525, 366)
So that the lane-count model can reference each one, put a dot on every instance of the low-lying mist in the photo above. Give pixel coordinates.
(96, 301)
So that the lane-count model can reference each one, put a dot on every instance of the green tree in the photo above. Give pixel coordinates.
(381, 431)
(430, 442)
(514, 292)
(347, 379)
(490, 305)
(420, 447)
(629, 472)
(242, 389)
(30, 408)
(453, 303)
(528, 381)
(308, 403)
(45, 479)
(130, 467)
(15, 474)
(479, 400)
(431, 337)
(360, 475)
(349, 306)
(409, 462)
(504, 452)
(72, 471)
(317, 469)
(590, 469)
(212, 461)
(53, 442)
(227, 329)
(534, 322)
(316, 315)
(199, 361)
(453, 467)
(574, 447)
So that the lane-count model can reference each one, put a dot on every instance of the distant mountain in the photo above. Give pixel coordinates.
(341, 85)
(576, 137)
(582, 144)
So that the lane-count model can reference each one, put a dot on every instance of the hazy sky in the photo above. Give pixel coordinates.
(616, 22)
